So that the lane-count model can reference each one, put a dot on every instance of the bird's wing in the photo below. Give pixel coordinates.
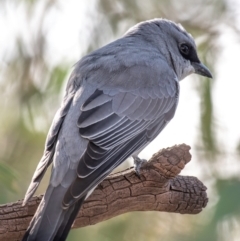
(48, 154)
(119, 118)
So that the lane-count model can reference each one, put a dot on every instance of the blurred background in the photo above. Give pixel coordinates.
(39, 43)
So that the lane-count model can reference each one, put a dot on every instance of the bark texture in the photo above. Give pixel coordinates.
(158, 188)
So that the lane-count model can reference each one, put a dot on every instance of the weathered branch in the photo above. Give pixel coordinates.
(159, 188)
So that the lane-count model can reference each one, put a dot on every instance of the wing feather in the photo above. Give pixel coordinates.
(100, 127)
(138, 113)
(133, 107)
(95, 115)
(120, 125)
(98, 101)
(83, 185)
(122, 101)
(47, 158)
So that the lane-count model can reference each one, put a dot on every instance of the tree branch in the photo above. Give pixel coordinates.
(159, 188)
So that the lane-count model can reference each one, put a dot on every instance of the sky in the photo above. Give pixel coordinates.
(67, 35)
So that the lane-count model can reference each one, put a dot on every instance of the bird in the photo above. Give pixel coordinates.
(117, 101)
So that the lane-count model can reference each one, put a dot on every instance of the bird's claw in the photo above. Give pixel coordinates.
(138, 162)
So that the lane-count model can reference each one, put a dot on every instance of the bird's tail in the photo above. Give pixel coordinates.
(51, 222)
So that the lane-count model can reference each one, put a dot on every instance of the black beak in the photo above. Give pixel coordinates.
(201, 69)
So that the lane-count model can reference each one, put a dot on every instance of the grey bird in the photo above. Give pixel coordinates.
(117, 100)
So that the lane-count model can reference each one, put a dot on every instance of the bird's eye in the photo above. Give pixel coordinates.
(184, 48)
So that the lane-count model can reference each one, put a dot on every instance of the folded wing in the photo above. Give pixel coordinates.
(116, 126)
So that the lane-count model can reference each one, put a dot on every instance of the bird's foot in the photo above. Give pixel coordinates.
(138, 162)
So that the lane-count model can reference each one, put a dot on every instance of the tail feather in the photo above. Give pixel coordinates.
(38, 175)
(51, 221)
(66, 225)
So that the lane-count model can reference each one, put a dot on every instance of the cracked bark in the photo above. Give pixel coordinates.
(159, 188)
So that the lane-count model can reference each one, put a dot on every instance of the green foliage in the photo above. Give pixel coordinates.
(8, 182)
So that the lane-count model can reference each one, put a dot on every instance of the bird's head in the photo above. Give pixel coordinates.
(175, 44)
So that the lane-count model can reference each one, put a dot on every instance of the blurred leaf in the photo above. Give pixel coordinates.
(207, 119)
(8, 182)
(57, 78)
(229, 196)
(7, 177)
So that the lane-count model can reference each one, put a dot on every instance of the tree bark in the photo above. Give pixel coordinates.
(158, 188)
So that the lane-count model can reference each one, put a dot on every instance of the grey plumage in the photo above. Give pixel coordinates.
(118, 99)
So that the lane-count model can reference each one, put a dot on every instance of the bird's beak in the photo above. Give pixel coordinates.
(201, 69)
